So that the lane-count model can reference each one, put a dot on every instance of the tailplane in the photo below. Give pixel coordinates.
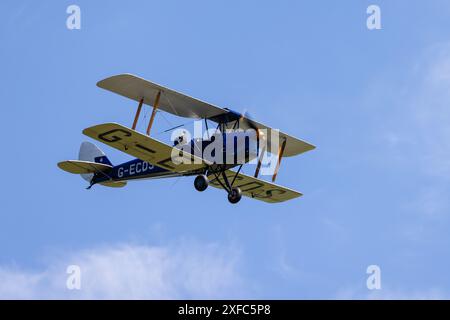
(91, 161)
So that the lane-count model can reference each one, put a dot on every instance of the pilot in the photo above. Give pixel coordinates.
(180, 140)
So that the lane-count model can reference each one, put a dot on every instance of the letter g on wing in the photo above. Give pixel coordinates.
(113, 135)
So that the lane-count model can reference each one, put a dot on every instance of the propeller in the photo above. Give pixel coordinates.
(246, 119)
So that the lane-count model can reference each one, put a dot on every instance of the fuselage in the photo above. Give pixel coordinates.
(133, 169)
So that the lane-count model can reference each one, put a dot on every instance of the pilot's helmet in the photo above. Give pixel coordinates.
(181, 139)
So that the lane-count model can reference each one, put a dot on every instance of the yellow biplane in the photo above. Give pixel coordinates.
(236, 140)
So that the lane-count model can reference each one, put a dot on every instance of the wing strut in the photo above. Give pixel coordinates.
(155, 107)
(280, 155)
(138, 112)
(260, 160)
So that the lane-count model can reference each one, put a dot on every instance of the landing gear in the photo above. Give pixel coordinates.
(201, 182)
(235, 195)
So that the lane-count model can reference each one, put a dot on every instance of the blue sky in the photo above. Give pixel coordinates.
(375, 103)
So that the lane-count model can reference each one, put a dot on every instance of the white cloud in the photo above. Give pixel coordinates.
(188, 270)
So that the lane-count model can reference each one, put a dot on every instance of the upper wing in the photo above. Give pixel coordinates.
(82, 167)
(182, 105)
(256, 188)
(171, 101)
(141, 146)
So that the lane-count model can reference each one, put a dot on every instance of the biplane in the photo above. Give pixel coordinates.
(156, 159)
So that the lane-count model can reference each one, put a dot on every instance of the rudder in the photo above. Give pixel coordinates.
(90, 152)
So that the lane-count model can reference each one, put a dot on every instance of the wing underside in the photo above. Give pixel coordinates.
(255, 188)
(136, 88)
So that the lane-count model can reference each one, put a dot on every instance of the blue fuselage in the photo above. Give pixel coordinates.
(134, 169)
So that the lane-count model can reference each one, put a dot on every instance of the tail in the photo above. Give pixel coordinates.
(91, 160)
(90, 152)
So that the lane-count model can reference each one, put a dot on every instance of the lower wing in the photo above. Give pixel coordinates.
(255, 188)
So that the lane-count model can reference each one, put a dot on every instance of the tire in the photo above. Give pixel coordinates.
(201, 182)
(235, 195)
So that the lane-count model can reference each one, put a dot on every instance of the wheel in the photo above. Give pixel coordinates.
(235, 195)
(201, 182)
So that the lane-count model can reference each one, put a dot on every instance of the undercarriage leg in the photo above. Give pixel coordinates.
(227, 183)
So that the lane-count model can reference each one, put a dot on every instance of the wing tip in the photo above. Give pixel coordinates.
(311, 147)
(86, 130)
(63, 165)
(103, 83)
